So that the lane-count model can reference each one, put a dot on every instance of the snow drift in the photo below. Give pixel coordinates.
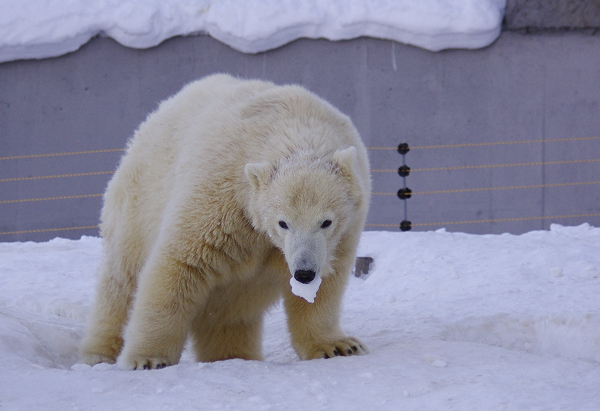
(453, 321)
(46, 28)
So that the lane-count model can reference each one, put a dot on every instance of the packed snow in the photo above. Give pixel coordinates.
(47, 28)
(306, 291)
(453, 322)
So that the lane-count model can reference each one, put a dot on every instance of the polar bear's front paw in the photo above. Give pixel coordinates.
(144, 363)
(344, 347)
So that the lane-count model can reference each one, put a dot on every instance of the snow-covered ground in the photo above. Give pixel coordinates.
(47, 28)
(453, 322)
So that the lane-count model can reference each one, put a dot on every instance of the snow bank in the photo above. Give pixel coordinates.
(452, 321)
(47, 28)
(533, 293)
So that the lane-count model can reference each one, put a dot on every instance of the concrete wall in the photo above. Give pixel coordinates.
(488, 104)
(536, 15)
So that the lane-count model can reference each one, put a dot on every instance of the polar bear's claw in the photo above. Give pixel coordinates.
(146, 364)
(343, 348)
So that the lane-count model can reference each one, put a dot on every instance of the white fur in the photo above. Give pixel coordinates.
(192, 241)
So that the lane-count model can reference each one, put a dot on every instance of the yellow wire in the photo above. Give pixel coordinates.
(4, 180)
(502, 220)
(382, 225)
(49, 198)
(62, 154)
(499, 220)
(469, 190)
(370, 148)
(497, 143)
(45, 230)
(492, 166)
(56, 176)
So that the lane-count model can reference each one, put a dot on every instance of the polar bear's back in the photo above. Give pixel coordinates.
(159, 152)
(259, 120)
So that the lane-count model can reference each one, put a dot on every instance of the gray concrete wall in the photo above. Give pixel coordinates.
(535, 15)
(529, 100)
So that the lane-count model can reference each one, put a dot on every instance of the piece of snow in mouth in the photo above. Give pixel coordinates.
(306, 291)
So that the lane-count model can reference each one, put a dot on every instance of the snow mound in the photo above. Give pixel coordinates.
(42, 28)
(452, 321)
(259, 25)
(42, 342)
(572, 337)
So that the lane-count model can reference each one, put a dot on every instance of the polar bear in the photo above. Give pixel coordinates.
(230, 191)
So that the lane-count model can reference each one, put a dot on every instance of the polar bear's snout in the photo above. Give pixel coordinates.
(305, 255)
(304, 276)
(305, 265)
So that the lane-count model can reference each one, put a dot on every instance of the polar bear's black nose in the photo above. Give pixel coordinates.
(304, 276)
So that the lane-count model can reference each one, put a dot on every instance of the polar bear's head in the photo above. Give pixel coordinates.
(305, 205)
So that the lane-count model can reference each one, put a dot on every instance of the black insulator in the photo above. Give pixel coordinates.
(405, 225)
(404, 171)
(404, 193)
(403, 148)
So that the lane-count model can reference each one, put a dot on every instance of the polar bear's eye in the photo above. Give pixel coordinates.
(326, 224)
(283, 225)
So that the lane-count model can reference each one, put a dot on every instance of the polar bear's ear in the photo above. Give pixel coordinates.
(345, 159)
(258, 174)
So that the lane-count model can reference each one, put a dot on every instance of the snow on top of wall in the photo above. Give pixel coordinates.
(48, 28)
